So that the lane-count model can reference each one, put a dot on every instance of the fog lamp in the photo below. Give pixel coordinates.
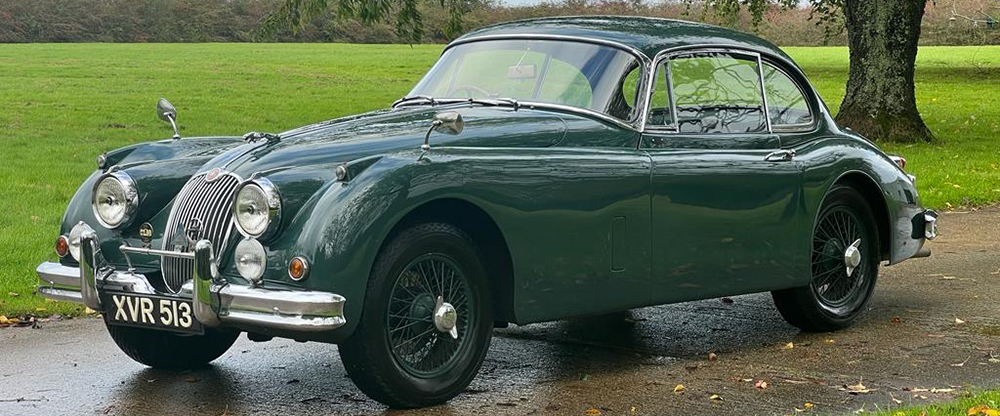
(251, 259)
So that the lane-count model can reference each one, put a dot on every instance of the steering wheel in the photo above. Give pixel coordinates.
(469, 89)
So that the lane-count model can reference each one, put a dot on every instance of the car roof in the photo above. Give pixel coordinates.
(648, 35)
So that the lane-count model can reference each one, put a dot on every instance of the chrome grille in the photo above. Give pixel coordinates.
(208, 204)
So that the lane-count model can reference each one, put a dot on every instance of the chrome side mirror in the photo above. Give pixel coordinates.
(448, 122)
(166, 112)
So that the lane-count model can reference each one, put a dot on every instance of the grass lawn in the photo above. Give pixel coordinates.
(63, 104)
(982, 404)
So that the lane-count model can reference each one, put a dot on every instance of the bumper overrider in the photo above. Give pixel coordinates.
(216, 303)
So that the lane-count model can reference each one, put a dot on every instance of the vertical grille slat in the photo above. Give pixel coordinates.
(210, 203)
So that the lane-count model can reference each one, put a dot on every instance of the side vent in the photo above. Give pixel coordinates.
(618, 249)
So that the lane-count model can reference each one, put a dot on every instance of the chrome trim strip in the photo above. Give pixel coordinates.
(665, 56)
(644, 64)
(578, 110)
(55, 274)
(60, 294)
(89, 250)
(155, 252)
(205, 276)
(527, 36)
(763, 95)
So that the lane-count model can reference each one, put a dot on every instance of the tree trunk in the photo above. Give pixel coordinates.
(880, 104)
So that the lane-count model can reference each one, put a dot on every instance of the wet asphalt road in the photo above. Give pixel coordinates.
(622, 364)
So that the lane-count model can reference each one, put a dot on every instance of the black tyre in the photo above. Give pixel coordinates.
(167, 350)
(845, 260)
(403, 353)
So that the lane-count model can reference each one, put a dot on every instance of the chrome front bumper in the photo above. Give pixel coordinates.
(216, 302)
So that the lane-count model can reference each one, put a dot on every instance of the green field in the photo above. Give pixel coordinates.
(63, 104)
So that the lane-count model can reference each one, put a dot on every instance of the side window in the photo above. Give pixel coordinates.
(785, 103)
(717, 93)
(622, 105)
(659, 100)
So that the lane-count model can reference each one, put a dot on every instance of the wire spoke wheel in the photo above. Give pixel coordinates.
(422, 341)
(839, 265)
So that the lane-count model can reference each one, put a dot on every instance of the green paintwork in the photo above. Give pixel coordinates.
(596, 216)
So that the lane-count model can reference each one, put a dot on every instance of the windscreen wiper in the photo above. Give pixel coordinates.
(413, 99)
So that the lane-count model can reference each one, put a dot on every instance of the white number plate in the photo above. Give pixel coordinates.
(146, 311)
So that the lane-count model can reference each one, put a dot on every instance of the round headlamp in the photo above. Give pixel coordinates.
(251, 259)
(257, 208)
(115, 199)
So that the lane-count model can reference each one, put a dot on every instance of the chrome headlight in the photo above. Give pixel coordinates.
(251, 259)
(257, 208)
(116, 199)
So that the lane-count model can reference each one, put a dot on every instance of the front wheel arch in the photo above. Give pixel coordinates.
(487, 235)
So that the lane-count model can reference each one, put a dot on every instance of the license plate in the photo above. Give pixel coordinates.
(147, 311)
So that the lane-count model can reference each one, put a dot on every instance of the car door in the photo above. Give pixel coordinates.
(725, 197)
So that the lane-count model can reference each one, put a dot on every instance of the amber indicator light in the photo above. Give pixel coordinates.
(297, 268)
(62, 246)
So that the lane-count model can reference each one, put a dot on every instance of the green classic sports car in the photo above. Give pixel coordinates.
(542, 169)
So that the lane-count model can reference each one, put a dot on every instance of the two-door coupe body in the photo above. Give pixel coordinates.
(542, 169)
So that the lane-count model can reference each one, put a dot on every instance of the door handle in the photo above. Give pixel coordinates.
(783, 155)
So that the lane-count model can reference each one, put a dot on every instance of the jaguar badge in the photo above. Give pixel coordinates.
(213, 175)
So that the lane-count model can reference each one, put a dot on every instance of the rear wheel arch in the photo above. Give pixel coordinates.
(872, 193)
(486, 234)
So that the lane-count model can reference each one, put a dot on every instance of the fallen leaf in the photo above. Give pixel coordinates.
(13, 294)
(962, 364)
(896, 320)
(592, 412)
(983, 410)
(788, 346)
(808, 406)
(715, 397)
(829, 341)
(760, 384)
(632, 410)
(192, 379)
(89, 311)
(679, 389)
(859, 388)
(959, 321)
(712, 356)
